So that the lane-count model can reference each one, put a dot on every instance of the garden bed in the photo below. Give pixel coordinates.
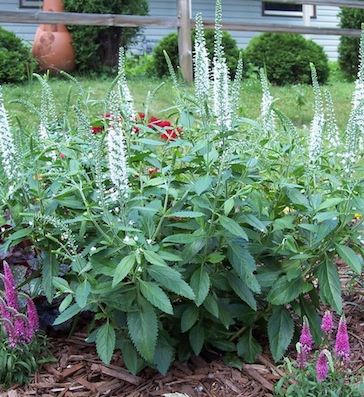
(78, 372)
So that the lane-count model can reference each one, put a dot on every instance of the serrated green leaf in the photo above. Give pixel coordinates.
(211, 305)
(130, 356)
(233, 227)
(67, 314)
(156, 296)
(285, 290)
(189, 318)
(65, 303)
(82, 293)
(163, 356)
(228, 206)
(350, 257)
(171, 280)
(248, 348)
(202, 184)
(154, 258)
(280, 331)
(143, 330)
(197, 338)
(242, 290)
(297, 197)
(330, 288)
(50, 269)
(331, 202)
(200, 283)
(182, 238)
(105, 342)
(123, 269)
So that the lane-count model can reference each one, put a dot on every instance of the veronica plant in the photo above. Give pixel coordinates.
(185, 234)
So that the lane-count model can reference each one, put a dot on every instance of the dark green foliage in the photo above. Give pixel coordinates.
(170, 44)
(287, 58)
(351, 18)
(16, 60)
(96, 47)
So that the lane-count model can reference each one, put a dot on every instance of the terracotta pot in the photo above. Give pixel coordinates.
(52, 45)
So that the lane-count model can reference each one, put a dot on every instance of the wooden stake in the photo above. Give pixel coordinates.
(184, 39)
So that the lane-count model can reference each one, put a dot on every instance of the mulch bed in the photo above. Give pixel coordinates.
(79, 373)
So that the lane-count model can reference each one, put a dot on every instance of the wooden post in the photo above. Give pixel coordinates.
(184, 39)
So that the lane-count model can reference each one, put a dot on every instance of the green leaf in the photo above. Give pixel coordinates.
(163, 356)
(20, 234)
(143, 330)
(233, 227)
(82, 293)
(172, 280)
(197, 338)
(182, 238)
(228, 206)
(280, 331)
(123, 269)
(350, 257)
(130, 356)
(331, 202)
(297, 197)
(154, 258)
(156, 296)
(200, 283)
(242, 290)
(67, 314)
(202, 184)
(330, 289)
(248, 348)
(105, 342)
(285, 290)
(62, 285)
(65, 303)
(252, 220)
(186, 214)
(243, 263)
(189, 318)
(211, 305)
(50, 269)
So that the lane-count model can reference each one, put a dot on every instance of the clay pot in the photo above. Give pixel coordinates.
(52, 45)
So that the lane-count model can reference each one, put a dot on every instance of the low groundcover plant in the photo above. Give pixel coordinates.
(325, 372)
(21, 347)
(204, 233)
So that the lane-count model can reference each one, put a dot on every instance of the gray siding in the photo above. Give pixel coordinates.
(233, 11)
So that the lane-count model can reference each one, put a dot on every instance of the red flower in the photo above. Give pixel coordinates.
(62, 155)
(155, 122)
(153, 171)
(171, 134)
(141, 115)
(97, 129)
(108, 116)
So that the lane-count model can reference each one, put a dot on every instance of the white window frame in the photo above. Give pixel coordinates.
(30, 3)
(282, 13)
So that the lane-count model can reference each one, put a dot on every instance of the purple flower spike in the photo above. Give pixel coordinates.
(306, 337)
(20, 329)
(33, 319)
(301, 356)
(342, 346)
(322, 367)
(11, 295)
(327, 323)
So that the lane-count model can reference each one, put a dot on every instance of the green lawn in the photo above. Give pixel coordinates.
(294, 101)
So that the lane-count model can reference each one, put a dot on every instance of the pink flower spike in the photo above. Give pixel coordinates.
(342, 346)
(306, 337)
(322, 367)
(301, 356)
(33, 319)
(11, 295)
(327, 323)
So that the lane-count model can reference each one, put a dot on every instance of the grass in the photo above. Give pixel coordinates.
(295, 101)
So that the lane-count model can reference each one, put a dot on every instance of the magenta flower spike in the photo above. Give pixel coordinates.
(11, 295)
(33, 319)
(306, 337)
(322, 367)
(342, 346)
(20, 326)
(327, 323)
(7, 320)
(301, 356)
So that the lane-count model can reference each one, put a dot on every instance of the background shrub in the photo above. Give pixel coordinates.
(349, 46)
(16, 60)
(170, 44)
(287, 58)
(97, 47)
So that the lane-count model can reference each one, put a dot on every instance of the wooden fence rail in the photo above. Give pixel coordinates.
(182, 22)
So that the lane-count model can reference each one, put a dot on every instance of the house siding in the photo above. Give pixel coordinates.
(233, 11)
